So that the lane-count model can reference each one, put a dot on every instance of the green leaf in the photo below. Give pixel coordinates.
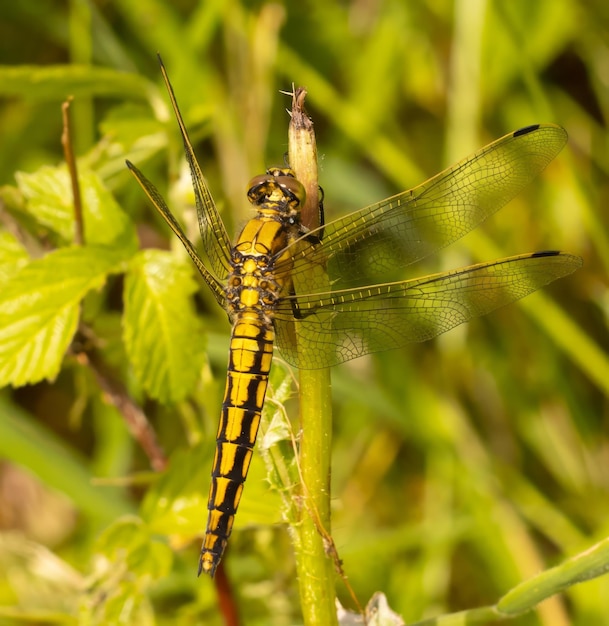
(57, 82)
(589, 564)
(49, 198)
(163, 336)
(128, 540)
(472, 617)
(275, 442)
(13, 256)
(47, 587)
(39, 310)
(105, 222)
(130, 561)
(48, 193)
(177, 503)
(129, 123)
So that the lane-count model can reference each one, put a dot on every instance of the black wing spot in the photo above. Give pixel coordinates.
(546, 253)
(526, 130)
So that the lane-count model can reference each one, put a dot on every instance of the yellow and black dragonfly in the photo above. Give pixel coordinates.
(268, 281)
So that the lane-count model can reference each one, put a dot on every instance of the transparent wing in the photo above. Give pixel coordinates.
(160, 205)
(374, 245)
(216, 244)
(321, 330)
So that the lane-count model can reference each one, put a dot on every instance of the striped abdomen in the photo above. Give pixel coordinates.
(251, 351)
(260, 273)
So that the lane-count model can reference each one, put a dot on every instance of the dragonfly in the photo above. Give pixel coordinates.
(270, 285)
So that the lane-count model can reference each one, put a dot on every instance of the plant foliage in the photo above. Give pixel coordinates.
(469, 476)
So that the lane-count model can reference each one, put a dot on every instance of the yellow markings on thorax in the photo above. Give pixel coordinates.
(260, 235)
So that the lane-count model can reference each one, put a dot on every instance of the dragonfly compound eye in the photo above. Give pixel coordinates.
(292, 189)
(279, 186)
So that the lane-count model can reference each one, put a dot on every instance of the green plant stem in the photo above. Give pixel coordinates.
(311, 532)
(316, 577)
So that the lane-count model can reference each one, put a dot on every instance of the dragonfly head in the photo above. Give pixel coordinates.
(278, 188)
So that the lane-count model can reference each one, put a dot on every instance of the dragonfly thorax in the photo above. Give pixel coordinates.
(254, 284)
(251, 286)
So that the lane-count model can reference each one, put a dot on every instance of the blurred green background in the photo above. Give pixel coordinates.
(461, 466)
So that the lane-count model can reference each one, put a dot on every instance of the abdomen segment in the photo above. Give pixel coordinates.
(251, 351)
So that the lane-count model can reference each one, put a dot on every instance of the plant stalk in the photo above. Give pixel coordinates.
(311, 533)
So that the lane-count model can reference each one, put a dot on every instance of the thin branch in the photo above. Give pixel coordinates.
(135, 418)
(137, 422)
(68, 151)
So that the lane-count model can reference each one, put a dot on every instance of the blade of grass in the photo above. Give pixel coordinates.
(81, 50)
(31, 445)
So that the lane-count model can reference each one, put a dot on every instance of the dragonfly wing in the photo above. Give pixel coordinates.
(216, 244)
(161, 206)
(374, 244)
(321, 330)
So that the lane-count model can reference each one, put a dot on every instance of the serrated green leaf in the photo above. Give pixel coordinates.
(48, 194)
(57, 82)
(121, 605)
(125, 534)
(105, 222)
(128, 540)
(152, 559)
(130, 560)
(39, 310)
(276, 443)
(277, 427)
(163, 336)
(48, 198)
(13, 256)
